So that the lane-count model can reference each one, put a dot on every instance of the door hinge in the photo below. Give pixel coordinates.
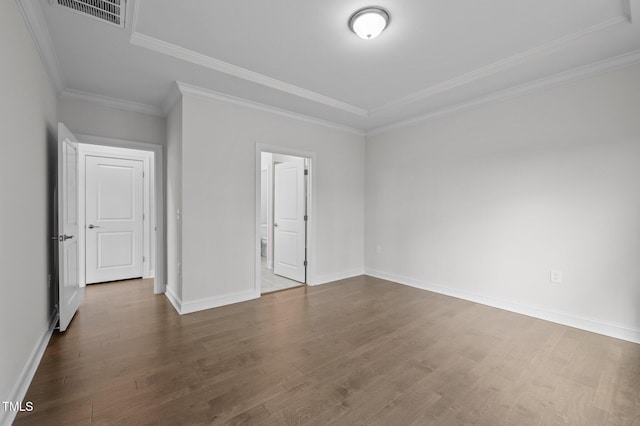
(144, 259)
(306, 217)
(306, 172)
(305, 263)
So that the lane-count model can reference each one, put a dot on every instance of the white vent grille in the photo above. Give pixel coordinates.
(111, 11)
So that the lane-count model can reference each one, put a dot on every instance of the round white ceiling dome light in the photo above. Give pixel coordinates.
(369, 22)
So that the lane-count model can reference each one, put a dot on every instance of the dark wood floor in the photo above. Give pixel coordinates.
(360, 351)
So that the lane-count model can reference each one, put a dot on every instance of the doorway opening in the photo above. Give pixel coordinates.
(70, 225)
(121, 231)
(283, 218)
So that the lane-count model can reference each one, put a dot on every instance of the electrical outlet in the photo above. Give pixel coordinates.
(556, 276)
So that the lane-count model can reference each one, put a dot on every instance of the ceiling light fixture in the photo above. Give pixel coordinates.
(369, 22)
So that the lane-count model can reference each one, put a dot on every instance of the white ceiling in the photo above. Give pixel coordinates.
(300, 56)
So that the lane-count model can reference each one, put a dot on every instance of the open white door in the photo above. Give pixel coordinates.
(114, 216)
(289, 235)
(70, 294)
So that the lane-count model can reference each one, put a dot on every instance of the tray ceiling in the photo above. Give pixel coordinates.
(302, 57)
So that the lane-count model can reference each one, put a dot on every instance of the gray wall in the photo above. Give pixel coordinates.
(174, 199)
(484, 204)
(85, 117)
(219, 195)
(89, 118)
(29, 131)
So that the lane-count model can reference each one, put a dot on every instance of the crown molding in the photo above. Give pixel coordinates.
(504, 64)
(590, 70)
(178, 52)
(36, 24)
(171, 99)
(107, 101)
(33, 17)
(151, 43)
(188, 89)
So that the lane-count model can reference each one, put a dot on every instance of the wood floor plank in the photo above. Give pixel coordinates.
(359, 351)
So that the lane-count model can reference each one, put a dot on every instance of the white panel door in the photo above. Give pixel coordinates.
(289, 234)
(114, 219)
(70, 293)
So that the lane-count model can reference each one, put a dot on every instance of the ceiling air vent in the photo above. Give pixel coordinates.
(111, 11)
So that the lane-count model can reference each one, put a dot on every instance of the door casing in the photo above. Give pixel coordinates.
(311, 211)
(149, 205)
(157, 245)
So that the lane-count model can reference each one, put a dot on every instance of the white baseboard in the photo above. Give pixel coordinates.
(187, 307)
(21, 387)
(174, 299)
(617, 331)
(326, 279)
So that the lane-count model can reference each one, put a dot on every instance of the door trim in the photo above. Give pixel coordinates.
(311, 208)
(157, 173)
(88, 152)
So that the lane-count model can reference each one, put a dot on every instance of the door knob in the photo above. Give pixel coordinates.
(275, 224)
(92, 226)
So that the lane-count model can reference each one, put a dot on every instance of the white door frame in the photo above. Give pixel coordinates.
(156, 173)
(311, 210)
(148, 206)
